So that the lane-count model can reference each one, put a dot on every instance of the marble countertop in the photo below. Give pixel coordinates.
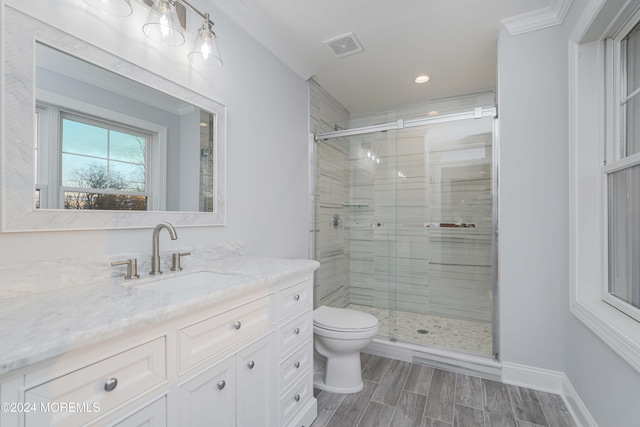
(42, 325)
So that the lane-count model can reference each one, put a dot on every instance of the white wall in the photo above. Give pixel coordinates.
(267, 131)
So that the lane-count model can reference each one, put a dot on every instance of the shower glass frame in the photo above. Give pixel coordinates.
(386, 242)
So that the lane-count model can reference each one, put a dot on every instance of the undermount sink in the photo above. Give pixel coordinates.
(177, 281)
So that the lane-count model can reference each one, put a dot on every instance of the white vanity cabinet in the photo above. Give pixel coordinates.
(297, 406)
(233, 392)
(245, 361)
(154, 414)
(123, 385)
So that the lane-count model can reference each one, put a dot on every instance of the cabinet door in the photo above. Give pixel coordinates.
(209, 399)
(256, 393)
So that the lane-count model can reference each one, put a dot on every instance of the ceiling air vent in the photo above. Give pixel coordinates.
(344, 45)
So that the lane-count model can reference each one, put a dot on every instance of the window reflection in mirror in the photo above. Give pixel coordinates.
(104, 142)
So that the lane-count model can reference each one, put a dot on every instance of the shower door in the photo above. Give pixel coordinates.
(415, 242)
(445, 235)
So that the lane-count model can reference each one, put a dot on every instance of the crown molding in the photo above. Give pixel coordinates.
(250, 22)
(554, 14)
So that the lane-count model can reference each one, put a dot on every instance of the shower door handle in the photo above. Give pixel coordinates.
(449, 225)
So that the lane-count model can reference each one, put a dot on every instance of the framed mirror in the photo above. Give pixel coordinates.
(92, 141)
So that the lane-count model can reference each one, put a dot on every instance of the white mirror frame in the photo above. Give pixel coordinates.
(17, 186)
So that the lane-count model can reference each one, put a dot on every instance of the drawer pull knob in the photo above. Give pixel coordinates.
(296, 331)
(221, 385)
(296, 365)
(297, 398)
(110, 384)
(251, 364)
(296, 297)
(237, 325)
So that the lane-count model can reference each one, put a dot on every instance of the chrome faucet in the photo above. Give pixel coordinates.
(155, 245)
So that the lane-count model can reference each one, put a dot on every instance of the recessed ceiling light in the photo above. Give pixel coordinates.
(204, 124)
(422, 79)
(433, 113)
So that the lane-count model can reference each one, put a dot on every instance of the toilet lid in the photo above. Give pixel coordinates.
(343, 319)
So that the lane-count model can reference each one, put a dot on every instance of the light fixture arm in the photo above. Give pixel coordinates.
(204, 16)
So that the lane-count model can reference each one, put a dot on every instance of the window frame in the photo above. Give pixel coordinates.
(109, 126)
(156, 168)
(615, 142)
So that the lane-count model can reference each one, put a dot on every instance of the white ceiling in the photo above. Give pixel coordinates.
(453, 41)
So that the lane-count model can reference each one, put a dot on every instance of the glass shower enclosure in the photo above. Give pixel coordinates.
(405, 215)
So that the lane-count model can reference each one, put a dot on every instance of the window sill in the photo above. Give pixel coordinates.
(614, 328)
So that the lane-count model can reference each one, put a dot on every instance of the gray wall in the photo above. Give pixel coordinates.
(537, 328)
(533, 213)
(267, 131)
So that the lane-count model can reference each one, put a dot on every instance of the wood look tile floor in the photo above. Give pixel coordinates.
(402, 394)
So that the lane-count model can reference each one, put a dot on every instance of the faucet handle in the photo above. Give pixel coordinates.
(132, 268)
(175, 260)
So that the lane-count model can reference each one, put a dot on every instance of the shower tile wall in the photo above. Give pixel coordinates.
(330, 196)
(431, 175)
(207, 167)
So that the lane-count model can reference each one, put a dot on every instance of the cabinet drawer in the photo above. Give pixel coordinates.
(295, 298)
(154, 414)
(294, 400)
(135, 371)
(293, 367)
(293, 333)
(209, 337)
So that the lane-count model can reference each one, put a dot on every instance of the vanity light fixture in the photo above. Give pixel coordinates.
(205, 49)
(163, 25)
(112, 7)
(422, 79)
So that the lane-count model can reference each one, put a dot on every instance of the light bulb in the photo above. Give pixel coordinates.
(163, 25)
(205, 48)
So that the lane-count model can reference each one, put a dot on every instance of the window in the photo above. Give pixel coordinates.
(97, 164)
(103, 165)
(622, 171)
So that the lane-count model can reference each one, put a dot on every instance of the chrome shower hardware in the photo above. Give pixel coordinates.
(336, 221)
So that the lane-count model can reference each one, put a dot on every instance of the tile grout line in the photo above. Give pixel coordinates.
(426, 402)
(404, 384)
(357, 424)
(542, 408)
(513, 412)
(332, 413)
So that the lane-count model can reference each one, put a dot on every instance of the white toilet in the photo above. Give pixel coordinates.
(338, 335)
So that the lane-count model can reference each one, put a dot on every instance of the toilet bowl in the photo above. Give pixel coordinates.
(338, 336)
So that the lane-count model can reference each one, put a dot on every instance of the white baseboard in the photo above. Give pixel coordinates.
(551, 382)
(530, 377)
(577, 408)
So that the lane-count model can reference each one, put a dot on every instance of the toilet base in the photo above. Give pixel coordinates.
(319, 383)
